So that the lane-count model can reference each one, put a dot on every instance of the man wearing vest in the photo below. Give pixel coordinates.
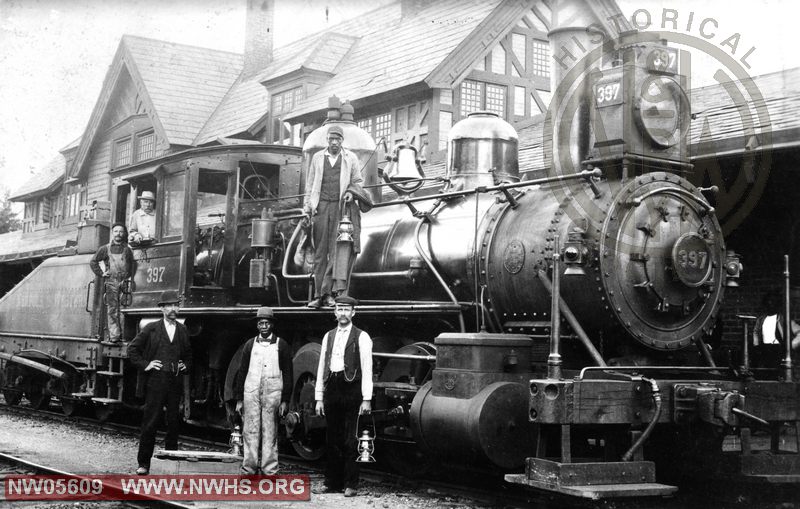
(262, 388)
(117, 260)
(334, 175)
(163, 355)
(343, 392)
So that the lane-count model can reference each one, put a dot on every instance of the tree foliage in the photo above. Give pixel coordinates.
(8, 218)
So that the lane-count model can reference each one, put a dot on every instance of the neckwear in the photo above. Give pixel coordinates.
(269, 340)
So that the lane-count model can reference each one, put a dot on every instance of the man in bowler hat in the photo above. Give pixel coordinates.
(343, 392)
(262, 388)
(334, 177)
(162, 354)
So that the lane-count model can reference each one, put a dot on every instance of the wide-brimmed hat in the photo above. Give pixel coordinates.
(169, 297)
(265, 312)
(346, 300)
(364, 199)
(147, 195)
(336, 129)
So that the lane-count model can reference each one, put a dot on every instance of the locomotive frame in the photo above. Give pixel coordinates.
(464, 291)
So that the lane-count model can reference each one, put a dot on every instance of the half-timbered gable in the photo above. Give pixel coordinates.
(427, 66)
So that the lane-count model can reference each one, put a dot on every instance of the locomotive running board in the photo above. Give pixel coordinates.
(598, 480)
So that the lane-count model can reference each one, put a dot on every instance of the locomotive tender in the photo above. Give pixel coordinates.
(554, 325)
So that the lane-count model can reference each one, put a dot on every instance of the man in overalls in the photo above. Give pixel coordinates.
(262, 388)
(117, 260)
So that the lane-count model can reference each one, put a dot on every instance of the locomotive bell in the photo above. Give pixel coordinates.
(404, 173)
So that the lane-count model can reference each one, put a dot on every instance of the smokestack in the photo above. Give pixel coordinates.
(258, 36)
(573, 38)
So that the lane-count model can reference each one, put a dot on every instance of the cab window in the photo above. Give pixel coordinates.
(174, 195)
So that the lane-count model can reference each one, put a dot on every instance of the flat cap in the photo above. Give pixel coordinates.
(346, 300)
(336, 129)
(265, 312)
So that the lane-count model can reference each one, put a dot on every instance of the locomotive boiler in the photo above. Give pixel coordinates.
(547, 320)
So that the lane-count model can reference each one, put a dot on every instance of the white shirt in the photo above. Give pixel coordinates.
(333, 158)
(170, 329)
(768, 330)
(339, 343)
(143, 223)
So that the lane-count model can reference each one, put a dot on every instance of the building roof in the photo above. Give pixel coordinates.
(767, 108)
(323, 53)
(185, 83)
(720, 126)
(16, 246)
(393, 51)
(43, 181)
(243, 107)
(180, 85)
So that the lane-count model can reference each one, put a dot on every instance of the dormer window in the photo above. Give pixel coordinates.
(145, 145)
(122, 152)
(134, 149)
(284, 133)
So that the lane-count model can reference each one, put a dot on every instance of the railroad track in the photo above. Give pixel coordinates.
(10, 464)
(293, 464)
(481, 488)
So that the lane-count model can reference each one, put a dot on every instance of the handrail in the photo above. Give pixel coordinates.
(585, 174)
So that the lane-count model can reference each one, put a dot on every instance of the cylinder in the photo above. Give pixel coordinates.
(263, 233)
(490, 428)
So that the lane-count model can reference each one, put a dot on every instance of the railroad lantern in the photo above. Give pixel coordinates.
(344, 247)
(366, 447)
(236, 442)
(640, 109)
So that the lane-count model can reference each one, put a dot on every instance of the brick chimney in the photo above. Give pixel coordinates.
(258, 36)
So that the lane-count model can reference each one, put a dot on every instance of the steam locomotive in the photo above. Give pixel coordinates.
(554, 325)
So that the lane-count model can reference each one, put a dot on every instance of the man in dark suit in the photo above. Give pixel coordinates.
(162, 353)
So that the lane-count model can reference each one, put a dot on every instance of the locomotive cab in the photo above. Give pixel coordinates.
(204, 205)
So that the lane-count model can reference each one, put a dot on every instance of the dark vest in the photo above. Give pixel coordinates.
(330, 179)
(352, 356)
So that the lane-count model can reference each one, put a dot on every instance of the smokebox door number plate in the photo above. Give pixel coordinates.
(691, 258)
(514, 257)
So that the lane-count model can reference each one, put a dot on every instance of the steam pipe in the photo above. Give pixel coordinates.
(646, 434)
(285, 266)
(786, 363)
(435, 272)
(574, 323)
(554, 359)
